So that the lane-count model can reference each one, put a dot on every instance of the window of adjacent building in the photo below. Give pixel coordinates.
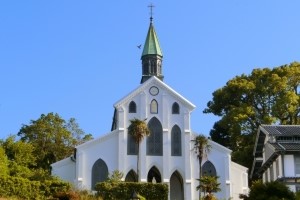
(132, 107)
(208, 169)
(284, 139)
(154, 107)
(155, 140)
(176, 141)
(297, 164)
(175, 108)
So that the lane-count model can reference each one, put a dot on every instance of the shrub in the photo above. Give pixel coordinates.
(19, 187)
(123, 190)
(70, 195)
(25, 189)
(270, 191)
(51, 187)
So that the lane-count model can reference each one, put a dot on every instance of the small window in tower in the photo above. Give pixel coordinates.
(175, 108)
(132, 107)
(154, 107)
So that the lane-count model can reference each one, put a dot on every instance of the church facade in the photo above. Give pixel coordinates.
(166, 155)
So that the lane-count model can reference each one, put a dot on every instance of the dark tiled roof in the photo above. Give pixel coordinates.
(283, 130)
(291, 146)
(286, 146)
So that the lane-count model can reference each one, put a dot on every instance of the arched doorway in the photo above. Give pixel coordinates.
(99, 172)
(176, 187)
(154, 175)
(131, 176)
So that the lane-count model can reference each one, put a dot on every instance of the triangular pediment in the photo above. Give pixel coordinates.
(154, 81)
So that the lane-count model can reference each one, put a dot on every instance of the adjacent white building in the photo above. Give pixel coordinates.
(277, 155)
(167, 155)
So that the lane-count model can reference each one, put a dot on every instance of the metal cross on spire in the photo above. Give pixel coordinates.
(151, 6)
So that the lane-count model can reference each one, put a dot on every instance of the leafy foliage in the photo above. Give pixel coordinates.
(52, 138)
(3, 163)
(25, 163)
(265, 96)
(123, 190)
(138, 129)
(26, 189)
(270, 191)
(201, 147)
(209, 184)
(20, 156)
(115, 176)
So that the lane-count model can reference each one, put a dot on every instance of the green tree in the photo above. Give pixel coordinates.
(51, 137)
(20, 156)
(3, 162)
(115, 176)
(138, 129)
(77, 133)
(270, 191)
(19, 151)
(266, 96)
(209, 184)
(201, 147)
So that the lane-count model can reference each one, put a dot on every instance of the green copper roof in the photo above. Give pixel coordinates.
(151, 45)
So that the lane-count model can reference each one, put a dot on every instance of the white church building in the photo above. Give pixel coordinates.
(166, 155)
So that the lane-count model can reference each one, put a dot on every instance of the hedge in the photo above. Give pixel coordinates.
(124, 190)
(25, 189)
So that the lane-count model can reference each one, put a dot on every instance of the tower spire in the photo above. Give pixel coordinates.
(152, 53)
(151, 6)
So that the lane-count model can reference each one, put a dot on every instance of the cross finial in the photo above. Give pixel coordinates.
(151, 6)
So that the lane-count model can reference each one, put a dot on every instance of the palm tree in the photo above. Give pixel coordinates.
(209, 184)
(138, 129)
(201, 147)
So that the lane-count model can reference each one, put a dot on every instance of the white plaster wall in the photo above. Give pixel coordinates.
(65, 169)
(105, 149)
(168, 120)
(292, 188)
(166, 164)
(221, 160)
(289, 167)
(112, 148)
(239, 180)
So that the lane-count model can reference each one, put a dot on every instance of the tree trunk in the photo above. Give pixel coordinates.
(200, 174)
(137, 163)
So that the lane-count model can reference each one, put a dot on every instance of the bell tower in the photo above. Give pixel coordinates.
(152, 55)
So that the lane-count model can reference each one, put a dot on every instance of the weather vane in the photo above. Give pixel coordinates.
(151, 6)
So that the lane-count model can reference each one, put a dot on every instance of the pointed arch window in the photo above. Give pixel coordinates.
(154, 107)
(176, 141)
(132, 107)
(175, 108)
(155, 140)
(99, 172)
(208, 169)
(132, 146)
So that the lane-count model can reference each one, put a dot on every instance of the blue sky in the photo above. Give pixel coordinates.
(77, 58)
